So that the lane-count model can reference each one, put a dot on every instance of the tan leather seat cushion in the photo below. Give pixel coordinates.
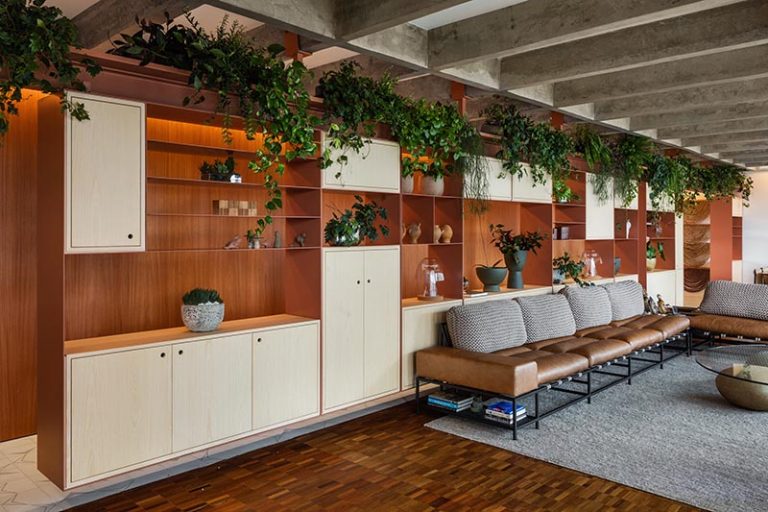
(732, 325)
(667, 325)
(551, 366)
(596, 351)
(636, 338)
(512, 351)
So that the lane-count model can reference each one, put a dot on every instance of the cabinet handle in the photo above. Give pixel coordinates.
(181, 352)
(369, 281)
(130, 236)
(258, 340)
(162, 354)
(358, 281)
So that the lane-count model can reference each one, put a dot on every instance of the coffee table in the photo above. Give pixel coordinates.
(742, 373)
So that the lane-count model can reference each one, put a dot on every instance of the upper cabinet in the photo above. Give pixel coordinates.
(599, 214)
(104, 158)
(499, 181)
(525, 190)
(665, 206)
(617, 203)
(375, 168)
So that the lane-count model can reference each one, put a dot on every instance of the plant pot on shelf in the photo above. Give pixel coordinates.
(650, 264)
(203, 317)
(406, 184)
(558, 276)
(515, 262)
(616, 265)
(491, 277)
(432, 186)
(346, 240)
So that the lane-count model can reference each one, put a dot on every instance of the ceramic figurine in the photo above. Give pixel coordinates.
(234, 243)
(447, 234)
(662, 306)
(301, 239)
(651, 306)
(414, 231)
(437, 233)
(465, 284)
(629, 226)
(278, 242)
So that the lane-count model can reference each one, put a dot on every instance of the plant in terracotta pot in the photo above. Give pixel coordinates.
(515, 249)
(351, 227)
(202, 310)
(651, 253)
(564, 267)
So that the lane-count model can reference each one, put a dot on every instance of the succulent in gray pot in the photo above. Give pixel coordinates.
(202, 310)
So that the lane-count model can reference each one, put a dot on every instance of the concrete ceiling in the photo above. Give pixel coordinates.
(688, 73)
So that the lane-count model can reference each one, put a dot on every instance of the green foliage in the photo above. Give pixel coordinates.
(508, 243)
(720, 181)
(353, 226)
(563, 193)
(351, 124)
(218, 170)
(548, 153)
(35, 36)
(651, 251)
(630, 156)
(199, 296)
(599, 158)
(669, 179)
(251, 82)
(570, 268)
(473, 165)
(515, 131)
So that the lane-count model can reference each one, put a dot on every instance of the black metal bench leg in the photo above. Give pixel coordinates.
(689, 342)
(661, 356)
(629, 370)
(589, 388)
(514, 419)
(536, 411)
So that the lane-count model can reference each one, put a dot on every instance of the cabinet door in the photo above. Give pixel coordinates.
(664, 283)
(105, 177)
(376, 167)
(120, 410)
(421, 329)
(737, 207)
(599, 214)
(286, 375)
(211, 390)
(525, 190)
(343, 327)
(382, 321)
(499, 188)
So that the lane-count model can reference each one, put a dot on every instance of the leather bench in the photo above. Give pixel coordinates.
(737, 310)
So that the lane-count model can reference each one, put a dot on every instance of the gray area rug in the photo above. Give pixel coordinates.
(669, 433)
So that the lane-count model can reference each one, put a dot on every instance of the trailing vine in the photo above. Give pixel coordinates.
(33, 35)
(669, 179)
(599, 158)
(271, 98)
(515, 130)
(548, 153)
(630, 156)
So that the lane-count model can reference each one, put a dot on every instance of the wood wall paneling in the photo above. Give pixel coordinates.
(721, 243)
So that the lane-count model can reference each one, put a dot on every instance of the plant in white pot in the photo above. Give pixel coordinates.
(352, 227)
(202, 310)
(651, 253)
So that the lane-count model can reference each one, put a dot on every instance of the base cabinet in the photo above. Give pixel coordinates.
(421, 329)
(664, 283)
(121, 412)
(286, 375)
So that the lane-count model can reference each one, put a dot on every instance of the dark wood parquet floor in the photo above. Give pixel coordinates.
(385, 461)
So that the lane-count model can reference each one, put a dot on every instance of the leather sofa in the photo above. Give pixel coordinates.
(732, 310)
(518, 347)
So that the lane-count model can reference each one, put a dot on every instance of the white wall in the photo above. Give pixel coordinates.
(755, 242)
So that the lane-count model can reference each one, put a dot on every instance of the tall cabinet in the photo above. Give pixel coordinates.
(361, 323)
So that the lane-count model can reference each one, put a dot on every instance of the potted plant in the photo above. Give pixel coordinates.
(563, 193)
(406, 180)
(515, 250)
(565, 267)
(351, 227)
(651, 253)
(220, 171)
(202, 310)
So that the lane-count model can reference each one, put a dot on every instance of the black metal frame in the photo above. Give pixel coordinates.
(709, 338)
(583, 378)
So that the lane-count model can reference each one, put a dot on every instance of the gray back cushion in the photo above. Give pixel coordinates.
(626, 299)
(547, 317)
(590, 305)
(736, 299)
(486, 327)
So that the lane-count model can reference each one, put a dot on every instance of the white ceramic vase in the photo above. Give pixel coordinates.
(406, 184)
(432, 186)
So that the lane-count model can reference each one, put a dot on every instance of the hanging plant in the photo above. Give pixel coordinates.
(351, 124)
(548, 153)
(514, 129)
(599, 158)
(669, 181)
(473, 165)
(630, 156)
(35, 45)
(719, 182)
(271, 98)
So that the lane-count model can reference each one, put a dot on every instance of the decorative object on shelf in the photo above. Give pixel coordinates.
(465, 284)
(629, 227)
(437, 232)
(430, 274)
(36, 43)
(561, 232)
(432, 185)
(661, 305)
(232, 208)
(564, 267)
(234, 243)
(202, 310)
(254, 239)
(220, 171)
(651, 307)
(654, 223)
(301, 239)
(414, 232)
(353, 226)
(278, 241)
(651, 253)
(447, 234)
(406, 184)
(591, 259)
(616, 265)
(491, 277)
(515, 250)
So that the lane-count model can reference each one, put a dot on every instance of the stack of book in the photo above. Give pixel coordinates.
(502, 411)
(451, 401)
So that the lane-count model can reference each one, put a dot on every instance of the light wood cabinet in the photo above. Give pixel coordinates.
(105, 202)
(211, 390)
(499, 181)
(525, 190)
(361, 323)
(421, 329)
(666, 204)
(286, 375)
(664, 283)
(600, 214)
(120, 410)
(376, 168)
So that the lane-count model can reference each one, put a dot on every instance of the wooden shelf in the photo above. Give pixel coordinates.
(199, 148)
(188, 181)
(177, 333)
(242, 249)
(415, 302)
(213, 215)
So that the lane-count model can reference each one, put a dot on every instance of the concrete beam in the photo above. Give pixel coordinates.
(315, 19)
(358, 18)
(403, 44)
(107, 18)
(697, 130)
(727, 137)
(708, 95)
(741, 157)
(536, 24)
(701, 115)
(706, 32)
(730, 147)
(730, 66)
